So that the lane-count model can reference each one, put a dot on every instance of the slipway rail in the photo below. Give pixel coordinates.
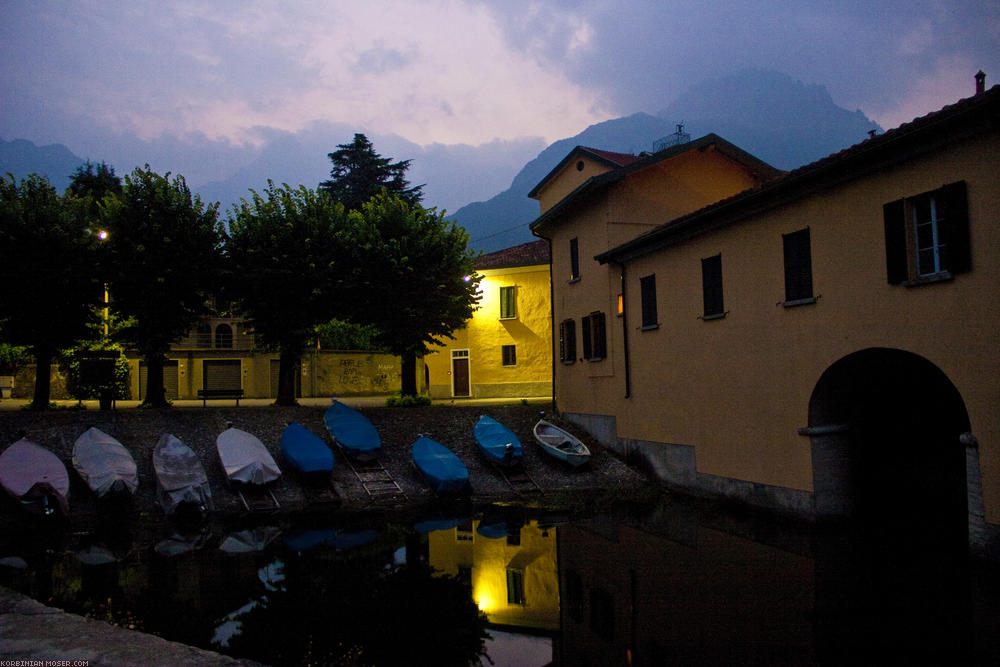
(377, 482)
(519, 479)
(261, 500)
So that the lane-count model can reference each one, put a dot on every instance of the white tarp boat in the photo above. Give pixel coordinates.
(245, 459)
(180, 477)
(104, 464)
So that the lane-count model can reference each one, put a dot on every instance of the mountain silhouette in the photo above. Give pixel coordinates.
(55, 162)
(781, 120)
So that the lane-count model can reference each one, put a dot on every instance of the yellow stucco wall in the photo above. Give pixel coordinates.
(530, 332)
(568, 179)
(737, 389)
(489, 558)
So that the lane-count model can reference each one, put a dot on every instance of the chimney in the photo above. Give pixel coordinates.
(980, 82)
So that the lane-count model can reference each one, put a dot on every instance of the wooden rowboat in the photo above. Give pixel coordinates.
(560, 444)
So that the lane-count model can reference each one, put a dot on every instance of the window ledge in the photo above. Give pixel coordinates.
(799, 302)
(507, 319)
(930, 279)
(649, 327)
(568, 362)
(573, 280)
(712, 316)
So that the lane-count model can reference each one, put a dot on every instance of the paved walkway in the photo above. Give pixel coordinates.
(355, 401)
(30, 631)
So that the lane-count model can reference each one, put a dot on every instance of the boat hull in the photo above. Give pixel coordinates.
(560, 445)
(498, 443)
(441, 469)
(181, 483)
(105, 465)
(305, 451)
(245, 459)
(36, 478)
(352, 432)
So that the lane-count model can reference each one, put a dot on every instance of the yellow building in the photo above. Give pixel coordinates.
(505, 350)
(824, 342)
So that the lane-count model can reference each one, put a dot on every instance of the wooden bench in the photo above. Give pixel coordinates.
(206, 394)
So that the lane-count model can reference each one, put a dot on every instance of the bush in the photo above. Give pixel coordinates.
(407, 401)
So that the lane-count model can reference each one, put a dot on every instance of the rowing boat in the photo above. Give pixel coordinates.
(560, 444)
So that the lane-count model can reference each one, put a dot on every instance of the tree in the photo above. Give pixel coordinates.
(414, 278)
(48, 253)
(95, 181)
(163, 260)
(285, 261)
(359, 173)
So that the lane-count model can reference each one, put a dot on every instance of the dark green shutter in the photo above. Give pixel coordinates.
(954, 229)
(894, 222)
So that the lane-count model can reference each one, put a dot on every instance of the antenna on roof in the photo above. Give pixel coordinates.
(980, 82)
(676, 139)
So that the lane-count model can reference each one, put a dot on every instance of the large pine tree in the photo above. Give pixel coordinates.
(359, 173)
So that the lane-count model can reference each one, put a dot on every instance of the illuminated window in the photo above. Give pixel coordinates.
(508, 303)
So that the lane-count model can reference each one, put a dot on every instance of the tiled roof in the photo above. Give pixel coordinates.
(526, 254)
(923, 134)
(620, 159)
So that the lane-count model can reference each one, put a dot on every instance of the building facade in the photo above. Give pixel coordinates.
(824, 342)
(505, 349)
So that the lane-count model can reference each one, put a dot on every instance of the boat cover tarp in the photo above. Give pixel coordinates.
(180, 477)
(245, 458)
(498, 442)
(249, 540)
(352, 431)
(30, 473)
(101, 461)
(444, 472)
(305, 451)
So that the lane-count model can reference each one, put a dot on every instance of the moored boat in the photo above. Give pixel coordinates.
(105, 465)
(352, 432)
(441, 469)
(560, 444)
(181, 481)
(245, 459)
(305, 451)
(36, 478)
(498, 443)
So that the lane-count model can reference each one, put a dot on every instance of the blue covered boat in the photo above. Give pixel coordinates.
(352, 432)
(305, 451)
(442, 470)
(498, 443)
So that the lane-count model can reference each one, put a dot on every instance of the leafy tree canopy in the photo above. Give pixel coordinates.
(414, 277)
(287, 260)
(95, 180)
(359, 173)
(163, 260)
(48, 252)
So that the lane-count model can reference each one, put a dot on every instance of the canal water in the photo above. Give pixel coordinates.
(665, 583)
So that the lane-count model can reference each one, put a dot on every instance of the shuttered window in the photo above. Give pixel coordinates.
(509, 355)
(647, 290)
(798, 267)
(567, 341)
(508, 303)
(711, 286)
(574, 259)
(592, 330)
(927, 235)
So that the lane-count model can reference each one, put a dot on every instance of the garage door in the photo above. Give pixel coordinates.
(222, 374)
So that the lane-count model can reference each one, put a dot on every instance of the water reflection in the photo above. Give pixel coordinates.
(675, 583)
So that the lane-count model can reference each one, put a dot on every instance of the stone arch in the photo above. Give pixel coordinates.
(889, 433)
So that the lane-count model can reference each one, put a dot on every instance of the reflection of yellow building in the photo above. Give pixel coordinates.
(505, 350)
(514, 577)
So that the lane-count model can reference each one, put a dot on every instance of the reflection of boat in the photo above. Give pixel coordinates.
(245, 459)
(96, 554)
(179, 544)
(35, 477)
(305, 451)
(352, 432)
(442, 470)
(560, 444)
(493, 530)
(310, 538)
(105, 465)
(249, 540)
(498, 442)
(434, 525)
(180, 478)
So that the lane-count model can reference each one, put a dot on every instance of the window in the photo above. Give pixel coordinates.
(647, 289)
(927, 236)
(574, 260)
(602, 613)
(567, 341)
(509, 353)
(798, 268)
(594, 342)
(508, 303)
(223, 336)
(621, 304)
(515, 586)
(711, 286)
(574, 595)
(203, 335)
